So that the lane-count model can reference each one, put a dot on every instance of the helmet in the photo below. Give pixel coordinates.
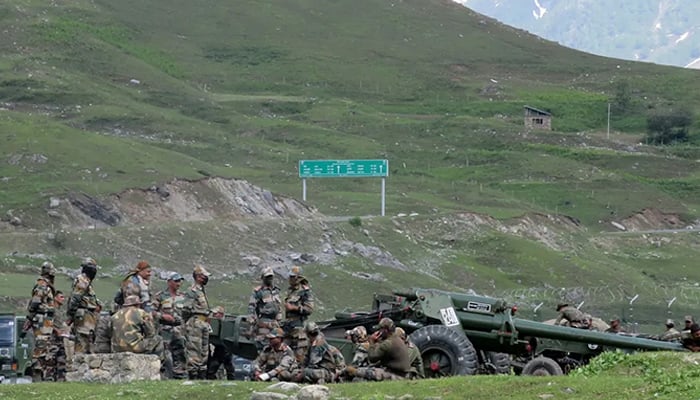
(275, 333)
(402, 333)
(688, 318)
(199, 270)
(311, 327)
(47, 268)
(669, 322)
(267, 272)
(360, 332)
(89, 262)
(175, 277)
(562, 305)
(295, 271)
(132, 300)
(386, 323)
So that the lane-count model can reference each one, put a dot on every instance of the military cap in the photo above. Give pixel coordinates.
(132, 300)
(688, 318)
(267, 272)
(562, 305)
(295, 271)
(669, 322)
(275, 333)
(200, 270)
(175, 277)
(311, 326)
(386, 323)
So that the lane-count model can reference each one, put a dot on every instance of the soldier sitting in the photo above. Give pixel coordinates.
(692, 342)
(671, 334)
(276, 361)
(615, 326)
(572, 315)
(387, 352)
(133, 330)
(358, 336)
(323, 362)
(417, 371)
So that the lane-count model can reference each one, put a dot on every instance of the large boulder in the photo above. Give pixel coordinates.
(114, 368)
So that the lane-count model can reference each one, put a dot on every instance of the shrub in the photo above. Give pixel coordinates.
(355, 221)
(668, 128)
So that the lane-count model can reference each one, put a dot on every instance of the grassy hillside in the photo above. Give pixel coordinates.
(99, 96)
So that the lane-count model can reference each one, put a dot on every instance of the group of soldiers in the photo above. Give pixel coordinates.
(175, 326)
(689, 336)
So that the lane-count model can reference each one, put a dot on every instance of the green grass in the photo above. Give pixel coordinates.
(649, 375)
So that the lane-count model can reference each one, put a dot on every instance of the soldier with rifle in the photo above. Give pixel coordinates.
(41, 309)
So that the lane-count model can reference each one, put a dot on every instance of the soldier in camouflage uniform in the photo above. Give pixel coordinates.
(196, 310)
(276, 361)
(265, 308)
(573, 316)
(137, 283)
(60, 336)
(134, 330)
(323, 362)
(168, 305)
(414, 356)
(671, 334)
(41, 309)
(84, 307)
(298, 304)
(358, 336)
(219, 354)
(387, 352)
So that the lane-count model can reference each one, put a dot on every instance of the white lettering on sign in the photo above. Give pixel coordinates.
(449, 317)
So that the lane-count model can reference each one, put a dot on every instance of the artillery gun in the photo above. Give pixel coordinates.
(461, 334)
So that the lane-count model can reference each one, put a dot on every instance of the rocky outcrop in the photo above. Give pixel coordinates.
(114, 368)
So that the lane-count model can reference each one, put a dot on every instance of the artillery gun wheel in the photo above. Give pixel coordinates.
(493, 363)
(542, 366)
(445, 351)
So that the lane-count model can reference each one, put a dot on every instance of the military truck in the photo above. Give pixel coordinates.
(15, 351)
(461, 334)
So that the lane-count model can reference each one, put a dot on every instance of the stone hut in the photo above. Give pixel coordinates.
(537, 119)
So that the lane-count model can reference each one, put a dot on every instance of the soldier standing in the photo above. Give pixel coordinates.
(298, 304)
(41, 309)
(219, 354)
(137, 283)
(572, 315)
(265, 308)
(168, 305)
(84, 307)
(196, 309)
(276, 361)
(60, 336)
(671, 333)
(133, 330)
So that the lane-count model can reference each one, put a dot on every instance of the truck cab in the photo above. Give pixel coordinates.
(15, 352)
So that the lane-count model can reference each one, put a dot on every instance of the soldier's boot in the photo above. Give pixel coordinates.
(193, 374)
(202, 374)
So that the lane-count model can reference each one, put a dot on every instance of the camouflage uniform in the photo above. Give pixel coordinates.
(172, 332)
(279, 363)
(59, 338)
(41, 314)
(575, 317)
(83, 308)
(133, 330)
(390, 355)
(417, 370)
(323, 362)
(265, 310)
(298, 295)
(197, 328)
(671, 333)
(134, 285)
(103, 334)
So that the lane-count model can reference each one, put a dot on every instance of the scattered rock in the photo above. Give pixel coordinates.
(314, 392)
(268, 396)
(284, 386)
(54, 202)
(15, 221)
(95, 209)
(114, 368)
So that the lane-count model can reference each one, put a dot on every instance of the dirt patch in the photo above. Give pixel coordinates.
(182, 201)
(652, 219)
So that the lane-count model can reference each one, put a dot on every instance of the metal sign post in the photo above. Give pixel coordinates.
(344, 169)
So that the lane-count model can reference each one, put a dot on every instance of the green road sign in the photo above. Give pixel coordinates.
(343, 168)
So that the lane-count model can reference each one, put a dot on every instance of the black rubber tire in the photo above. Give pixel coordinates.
(542, 366)
(500, 362)
(445, 351)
